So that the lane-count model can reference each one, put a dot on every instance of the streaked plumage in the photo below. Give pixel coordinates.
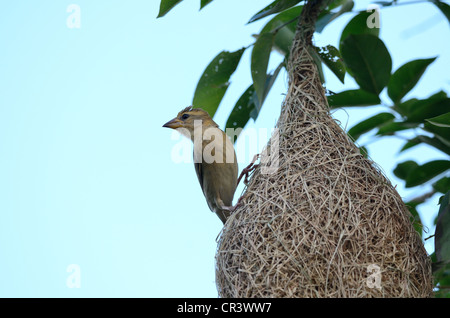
(218, 179)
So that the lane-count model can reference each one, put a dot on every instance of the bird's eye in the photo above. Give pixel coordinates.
(185, 116)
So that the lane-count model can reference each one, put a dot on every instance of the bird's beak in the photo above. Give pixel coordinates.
(174, 124)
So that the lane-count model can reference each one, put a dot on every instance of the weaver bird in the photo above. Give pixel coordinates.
(214, 158)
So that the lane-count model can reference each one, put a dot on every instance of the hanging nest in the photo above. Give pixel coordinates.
(327, 222)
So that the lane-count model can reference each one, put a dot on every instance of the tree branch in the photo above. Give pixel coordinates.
(423, 197)
(308, 18)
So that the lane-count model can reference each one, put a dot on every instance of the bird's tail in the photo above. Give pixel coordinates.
(223, 215)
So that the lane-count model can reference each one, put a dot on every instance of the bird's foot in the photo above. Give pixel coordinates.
(247, 171)
(233, 208)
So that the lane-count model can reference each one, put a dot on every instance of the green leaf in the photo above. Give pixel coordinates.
(335, 4)
(364, 151)
(203, 3)
(369, 124)
(260, 61)
(441, 120)
(369, 60)
(404, 169)
(353, 98)
(358, 25)
(323, 19)
(445, 8)
(274, 7)
(390, 128)
(326, 16)
(425, 172)
(441, 275)
(406, 77)
(270, 80)
(442, 234)
(434, 142)
(435, 105)
(245, 106)
(248, 105)
(332, 58)
(215, 80)
(442, 185)
(385, 3)
(442, 133)
(283, 41)
(417, 223)
(406, 108)
(317, 60)
(285, 34)
(411, 143)
(165, 6)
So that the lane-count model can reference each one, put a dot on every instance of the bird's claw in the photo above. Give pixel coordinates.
(246, 171)
(233, 208)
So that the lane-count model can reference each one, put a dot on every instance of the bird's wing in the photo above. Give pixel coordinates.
(199, 171)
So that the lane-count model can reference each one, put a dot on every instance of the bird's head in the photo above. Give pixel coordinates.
(188, 116)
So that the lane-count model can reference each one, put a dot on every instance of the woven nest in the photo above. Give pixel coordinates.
(327, 223)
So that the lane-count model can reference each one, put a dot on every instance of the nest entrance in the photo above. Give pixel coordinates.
(326, 223)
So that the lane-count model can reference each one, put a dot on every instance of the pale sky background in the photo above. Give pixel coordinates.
(86, 171)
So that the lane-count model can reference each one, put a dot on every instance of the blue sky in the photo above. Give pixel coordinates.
(86, 173)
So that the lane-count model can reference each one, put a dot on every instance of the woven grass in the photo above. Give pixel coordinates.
(319, 225)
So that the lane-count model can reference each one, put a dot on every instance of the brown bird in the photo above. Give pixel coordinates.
(214, 158)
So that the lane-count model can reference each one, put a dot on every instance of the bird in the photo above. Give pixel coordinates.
(215, 160)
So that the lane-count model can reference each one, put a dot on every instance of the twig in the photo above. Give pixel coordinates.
(423, 197)
(278, 28)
